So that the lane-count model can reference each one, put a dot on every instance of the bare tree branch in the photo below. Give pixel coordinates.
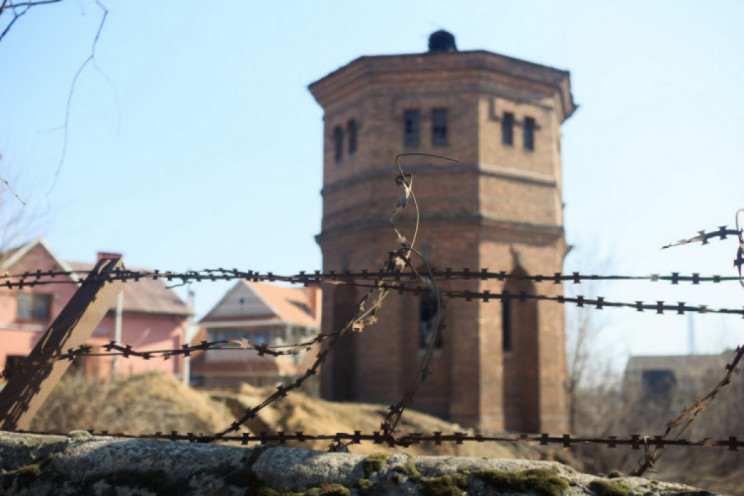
(91, 59)
(16, 15)
(10, 24)
(24, 4)
(13, 191)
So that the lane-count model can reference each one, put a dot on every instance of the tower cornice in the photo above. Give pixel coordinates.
(364, 70)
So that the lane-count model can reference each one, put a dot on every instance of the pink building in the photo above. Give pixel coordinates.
(153, 317)
(262, 313)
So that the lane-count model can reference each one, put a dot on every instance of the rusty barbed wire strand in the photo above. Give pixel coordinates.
(486, 295)
(113, 348)
(702, 237)
(634, 441)
(598, 302)
(38, 277)
(45, 277)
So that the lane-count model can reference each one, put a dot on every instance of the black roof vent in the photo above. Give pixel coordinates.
(442, 41)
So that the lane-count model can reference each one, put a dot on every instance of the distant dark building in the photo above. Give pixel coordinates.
(671, 379)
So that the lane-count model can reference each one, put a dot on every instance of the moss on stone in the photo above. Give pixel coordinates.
(445, 485)
(324, 490)
(539, 480)
(373, 463)
(601, 487)
(328, 490)
(411, 471)
(79, 435)
(262, 490)
(615, 474)
(30, 470)
(25, 475)
(364, 486)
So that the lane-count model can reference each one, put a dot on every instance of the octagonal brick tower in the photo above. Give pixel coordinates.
(498, 366)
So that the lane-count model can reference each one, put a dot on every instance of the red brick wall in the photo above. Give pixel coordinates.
(499, 208)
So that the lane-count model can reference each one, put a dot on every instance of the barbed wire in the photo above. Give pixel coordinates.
(44, 277)
(113, 348)
(597, 302)
(635, 441)
(722, 232)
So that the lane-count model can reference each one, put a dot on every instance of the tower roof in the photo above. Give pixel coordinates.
(442, 41)
(367, 70)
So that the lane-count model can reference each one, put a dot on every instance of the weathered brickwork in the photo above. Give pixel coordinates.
(500, 208)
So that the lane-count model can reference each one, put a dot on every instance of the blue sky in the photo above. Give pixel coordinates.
(193, 141)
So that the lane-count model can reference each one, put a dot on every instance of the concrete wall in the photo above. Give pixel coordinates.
(81, 464)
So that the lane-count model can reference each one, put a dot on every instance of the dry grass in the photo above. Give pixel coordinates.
(155, 401)
(298, 412)
(136, 404)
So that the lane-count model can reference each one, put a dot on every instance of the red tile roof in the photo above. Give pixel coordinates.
(146, 295)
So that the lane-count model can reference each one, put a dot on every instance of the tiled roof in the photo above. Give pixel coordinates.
(146, 295)
(14, 255)
(293, 304)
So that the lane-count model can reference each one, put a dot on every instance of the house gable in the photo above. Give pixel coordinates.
(242, 302)
(20, 253)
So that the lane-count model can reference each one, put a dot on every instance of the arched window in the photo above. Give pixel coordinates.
(343, 357)
(428, 321)
(507, 129)
(411, 128)
(521, 356)
(338, 143)
(351, 133)
(439, 126)
(506, 327)
(528, 132)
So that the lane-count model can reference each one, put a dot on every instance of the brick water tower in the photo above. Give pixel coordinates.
(497, 366)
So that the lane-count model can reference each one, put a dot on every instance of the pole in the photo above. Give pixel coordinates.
(188, 334)
(117, 330)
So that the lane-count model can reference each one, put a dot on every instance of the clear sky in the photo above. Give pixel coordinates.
(193, 142)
